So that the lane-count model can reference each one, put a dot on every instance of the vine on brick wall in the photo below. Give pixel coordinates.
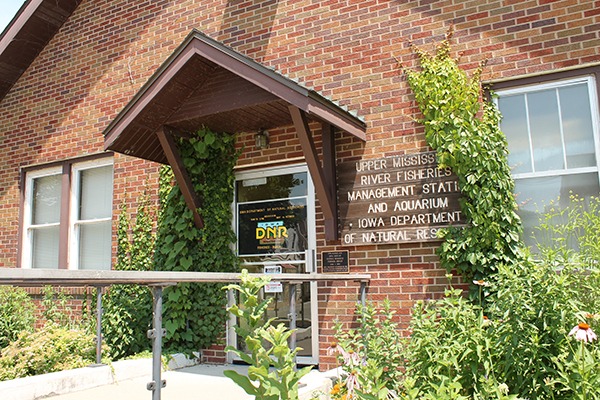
(194, 314)
(464, 130)
(128, 308)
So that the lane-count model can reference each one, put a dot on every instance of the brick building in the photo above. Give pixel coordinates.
(87, 88)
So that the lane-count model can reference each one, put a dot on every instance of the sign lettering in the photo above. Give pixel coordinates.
(406, 198)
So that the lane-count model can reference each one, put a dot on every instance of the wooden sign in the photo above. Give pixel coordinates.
(406, 198)
(335, 262)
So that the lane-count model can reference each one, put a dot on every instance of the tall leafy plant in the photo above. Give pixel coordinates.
(128, 308)
(16, 313)
(272, 373)
(195, 314)
(465, 132)
(372, 355)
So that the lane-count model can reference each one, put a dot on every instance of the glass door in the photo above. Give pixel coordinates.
(275, 228)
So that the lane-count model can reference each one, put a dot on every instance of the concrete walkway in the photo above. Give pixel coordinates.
(200, 382)
(127, 380)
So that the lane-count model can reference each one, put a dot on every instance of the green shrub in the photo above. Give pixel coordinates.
(126, 321)
(454, 351)
(450, 350)
(16, 314)
(52, 348)
(535, 306)
(537, 303)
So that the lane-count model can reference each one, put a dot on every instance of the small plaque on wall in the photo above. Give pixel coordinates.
(335, 262)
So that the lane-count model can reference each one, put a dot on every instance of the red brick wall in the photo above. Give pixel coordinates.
(347, 50)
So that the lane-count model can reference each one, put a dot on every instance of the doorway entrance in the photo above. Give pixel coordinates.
(275, 229)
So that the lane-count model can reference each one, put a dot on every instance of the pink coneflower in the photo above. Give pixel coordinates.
(583, 332)
(352, 383)
(481, 282)
(334, 348)
(351, 358)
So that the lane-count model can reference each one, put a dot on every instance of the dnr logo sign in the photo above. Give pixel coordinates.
(271, 230)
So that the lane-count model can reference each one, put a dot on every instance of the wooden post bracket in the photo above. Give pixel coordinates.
(323, 177)
(181, 175)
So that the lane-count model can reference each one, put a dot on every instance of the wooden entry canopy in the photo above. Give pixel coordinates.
(205, 83)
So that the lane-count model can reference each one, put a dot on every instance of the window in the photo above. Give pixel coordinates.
(67, 215)
(272, 215)
(552, 133)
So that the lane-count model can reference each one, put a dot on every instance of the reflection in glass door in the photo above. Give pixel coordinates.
(275, 227)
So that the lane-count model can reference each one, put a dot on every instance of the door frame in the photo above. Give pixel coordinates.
(310, 256)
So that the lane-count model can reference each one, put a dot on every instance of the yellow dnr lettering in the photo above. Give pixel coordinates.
(274, 232)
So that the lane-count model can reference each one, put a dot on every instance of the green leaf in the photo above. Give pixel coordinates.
(242, 381)
(209, 138)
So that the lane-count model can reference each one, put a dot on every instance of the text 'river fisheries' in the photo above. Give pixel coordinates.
(398, 199)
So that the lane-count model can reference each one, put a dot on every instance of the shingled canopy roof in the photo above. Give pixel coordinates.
(205, 83)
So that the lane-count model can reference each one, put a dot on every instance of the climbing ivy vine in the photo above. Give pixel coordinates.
(464, 130)
(194, 314)
(128, 308)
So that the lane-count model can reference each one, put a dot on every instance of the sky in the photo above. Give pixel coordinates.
(8, 9)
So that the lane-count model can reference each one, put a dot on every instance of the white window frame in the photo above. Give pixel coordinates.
(74, 222)
(74, 168)
(593, 101)
(561, 79)
(27, 250)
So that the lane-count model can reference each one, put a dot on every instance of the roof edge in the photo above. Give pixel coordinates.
(17, 23)
(140, 93)
(19, 30)
(314, 103)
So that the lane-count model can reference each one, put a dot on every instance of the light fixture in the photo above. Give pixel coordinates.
(261, 140)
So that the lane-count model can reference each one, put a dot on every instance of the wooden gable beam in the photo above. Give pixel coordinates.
(324, 184)
(329, 170)
(181, 176)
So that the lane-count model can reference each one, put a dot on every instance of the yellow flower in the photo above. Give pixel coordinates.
(335, 389)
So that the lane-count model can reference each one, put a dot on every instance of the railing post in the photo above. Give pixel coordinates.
(231, 323)
(99, 324)
(363, 293)
(156, 334)
(292, 316)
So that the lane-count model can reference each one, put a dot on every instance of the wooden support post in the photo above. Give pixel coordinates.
(329, 172)
(322, 186)
(183, 179)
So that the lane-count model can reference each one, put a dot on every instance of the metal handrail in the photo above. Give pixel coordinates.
(157, 281)
(64, 277)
